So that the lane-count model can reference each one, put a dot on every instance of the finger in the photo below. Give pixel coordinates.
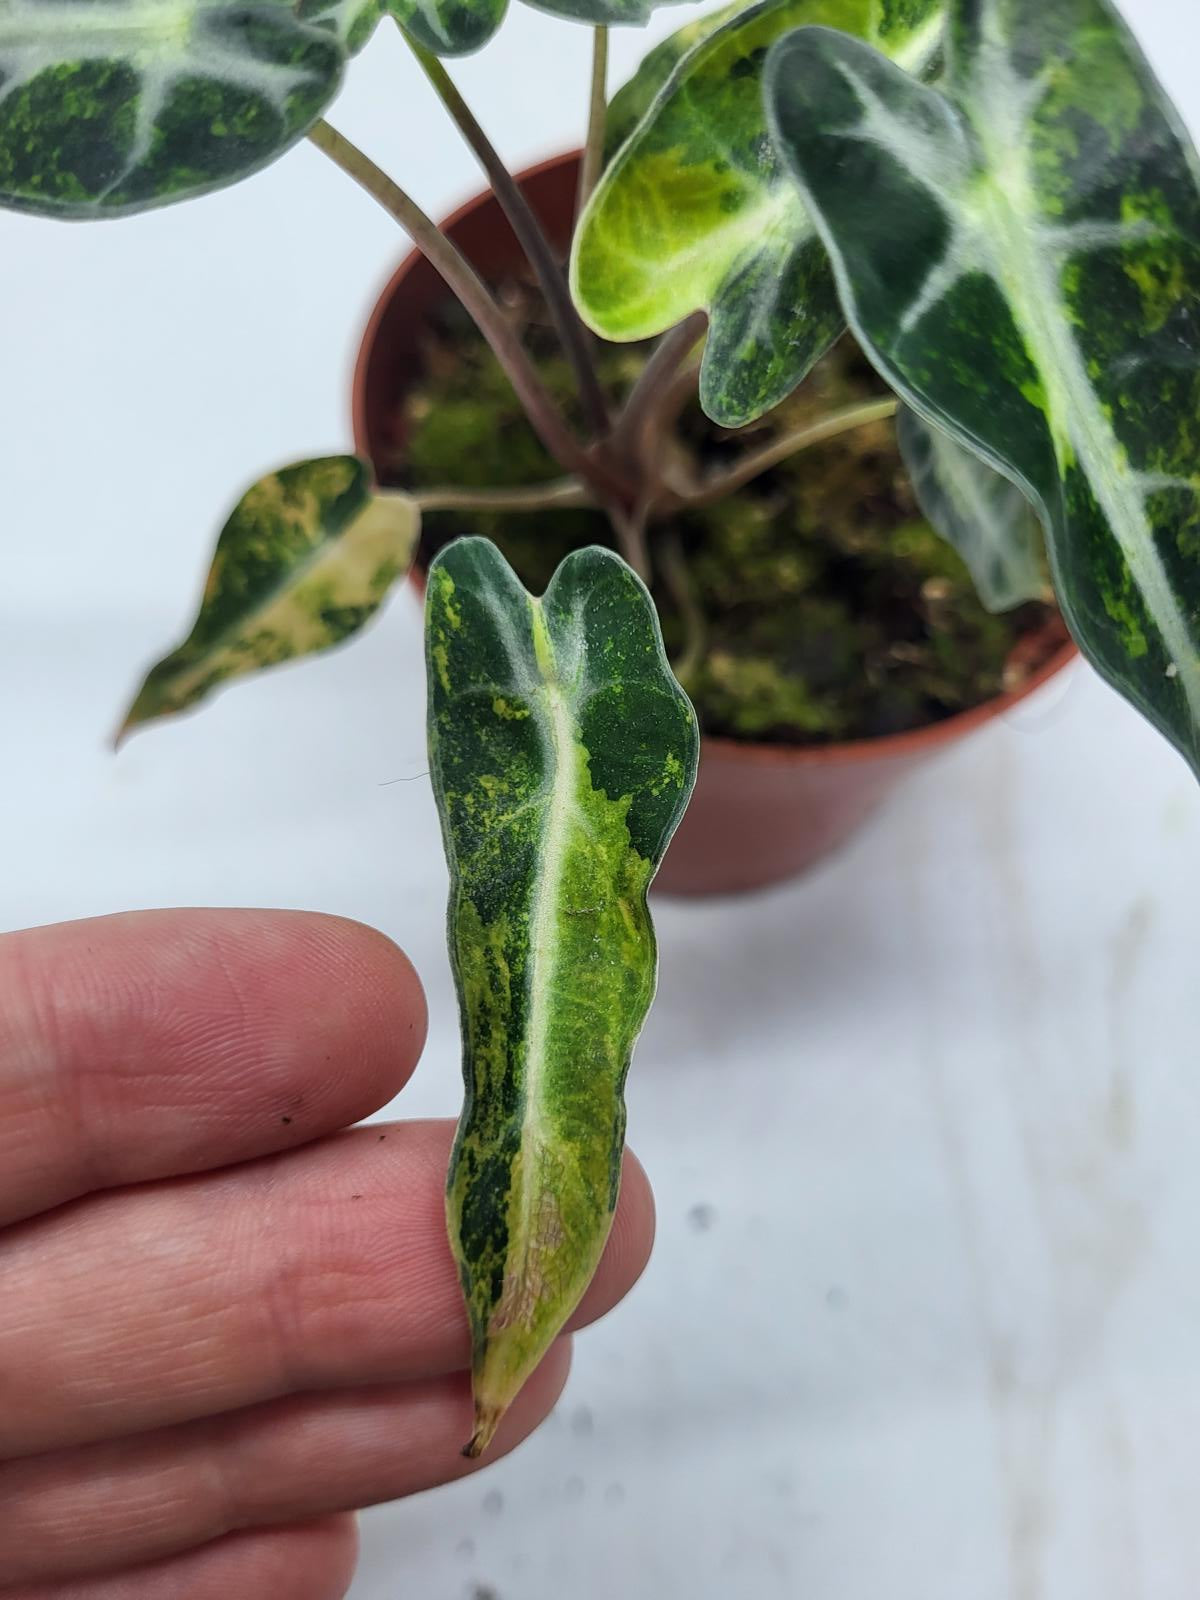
(312, 1561)
(146, 1498)
(324, 1267)
(162, 1042)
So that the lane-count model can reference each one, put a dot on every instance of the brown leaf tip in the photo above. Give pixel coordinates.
(487, 1420)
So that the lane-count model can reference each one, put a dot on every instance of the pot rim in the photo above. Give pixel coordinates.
(882, 747)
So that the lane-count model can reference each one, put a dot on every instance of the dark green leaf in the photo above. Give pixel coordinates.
(563, 753)
(456, 27)
(614, 13)
(304, 561)
(697, 212)
(1021, 255)
(447, 27)
(113, 106)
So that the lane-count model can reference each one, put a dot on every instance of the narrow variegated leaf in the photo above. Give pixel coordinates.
(633, 99)
(697, 211)
(113, 106)
(447, 27)
(1020, 253)
(983, 514)
(303, 562)
(563, 753)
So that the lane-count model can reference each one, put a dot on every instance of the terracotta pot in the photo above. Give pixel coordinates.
(760, 813)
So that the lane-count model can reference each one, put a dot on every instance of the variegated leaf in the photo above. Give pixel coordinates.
(612, 13)
(1021, 255)
(303, 562)
(633, 99)
(983, 514)
(447, 27)
(456, 27)
(563, 753)
(697, 211)
(113, 106)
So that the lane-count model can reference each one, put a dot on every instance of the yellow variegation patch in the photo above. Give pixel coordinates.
(304, 561)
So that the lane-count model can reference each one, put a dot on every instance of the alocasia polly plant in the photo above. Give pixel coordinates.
(993, 195)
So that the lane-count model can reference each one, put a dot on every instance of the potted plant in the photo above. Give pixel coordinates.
(996, 201)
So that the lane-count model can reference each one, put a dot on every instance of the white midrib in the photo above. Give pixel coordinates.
(561, 752)
(1030, 281)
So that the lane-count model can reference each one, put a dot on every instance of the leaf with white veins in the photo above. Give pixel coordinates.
(115, 106)
(608, 13)
(304, 561)
(447, 27)
(697, 212)
(562, 753)
(983, 514)
(457, 27)
(1019, 252)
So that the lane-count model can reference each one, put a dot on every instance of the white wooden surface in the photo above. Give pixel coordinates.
(924, 1316)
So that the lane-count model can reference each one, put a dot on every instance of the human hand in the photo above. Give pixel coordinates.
(224, 1323)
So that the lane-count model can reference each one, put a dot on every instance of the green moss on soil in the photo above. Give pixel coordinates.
(833, 611)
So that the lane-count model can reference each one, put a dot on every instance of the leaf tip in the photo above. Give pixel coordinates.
(487, 1420)
(141, 711)
(120, 737)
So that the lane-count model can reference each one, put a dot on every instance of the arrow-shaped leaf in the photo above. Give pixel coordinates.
(113, 106)
(563, 753)
(1021, 255)
(697, 212)
(303, 562)
(976, 509)
(457, 27)
(612, 13)
(447, 27)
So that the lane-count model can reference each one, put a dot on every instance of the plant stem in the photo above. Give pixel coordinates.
(679, 391)
(537, 497)
(530, 236)
(675, 397)
(656, 377)
(630, 529)
(593, 150)
(759, 461)
(673, 565)
(461, 277)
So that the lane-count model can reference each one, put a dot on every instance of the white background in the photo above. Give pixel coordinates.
(924, 1317)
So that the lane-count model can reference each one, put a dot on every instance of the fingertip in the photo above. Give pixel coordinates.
(636, 1207)
(629, 1247)
(153, 1044)
(395, 1016)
